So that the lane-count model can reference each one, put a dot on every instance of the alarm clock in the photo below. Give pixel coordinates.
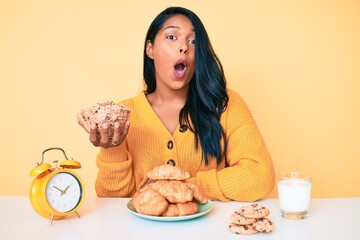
(56, 192)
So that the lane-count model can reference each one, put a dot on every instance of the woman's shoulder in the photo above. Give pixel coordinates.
(131, 102)
(231, 92)
(234, 97)
(237, 110)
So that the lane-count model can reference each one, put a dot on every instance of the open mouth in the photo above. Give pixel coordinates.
(180, 68)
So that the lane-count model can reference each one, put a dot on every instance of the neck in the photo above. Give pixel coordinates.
(174, 98)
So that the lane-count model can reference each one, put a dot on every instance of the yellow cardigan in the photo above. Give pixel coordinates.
(247, 176)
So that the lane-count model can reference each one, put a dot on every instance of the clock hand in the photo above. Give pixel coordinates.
(58, 189)
(63, 192)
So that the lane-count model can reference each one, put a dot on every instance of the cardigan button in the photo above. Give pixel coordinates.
(170, 144)
(183, 128)
(171, 161)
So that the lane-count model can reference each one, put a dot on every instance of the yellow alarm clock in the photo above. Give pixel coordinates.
(56, 192)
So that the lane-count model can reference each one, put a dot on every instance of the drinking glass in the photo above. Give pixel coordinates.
(294, 189)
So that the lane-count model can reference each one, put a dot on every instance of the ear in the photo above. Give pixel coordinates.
(149, 49)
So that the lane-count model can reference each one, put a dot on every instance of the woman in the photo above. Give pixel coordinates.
(185, 117)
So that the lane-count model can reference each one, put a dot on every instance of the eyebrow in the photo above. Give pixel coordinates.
(171, 26)
(176, 27)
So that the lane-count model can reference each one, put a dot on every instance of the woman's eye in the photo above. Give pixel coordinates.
(171, 37)
(192, 41)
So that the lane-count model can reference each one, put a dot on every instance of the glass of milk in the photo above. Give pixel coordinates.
(294, 189)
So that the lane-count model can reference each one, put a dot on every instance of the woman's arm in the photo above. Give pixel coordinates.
(115, 176)
(249, 174)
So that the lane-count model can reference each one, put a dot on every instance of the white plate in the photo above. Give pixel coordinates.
(203, 209)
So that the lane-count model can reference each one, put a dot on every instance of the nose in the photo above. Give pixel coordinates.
(184, 48)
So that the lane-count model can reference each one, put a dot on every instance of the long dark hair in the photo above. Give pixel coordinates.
(207, 96)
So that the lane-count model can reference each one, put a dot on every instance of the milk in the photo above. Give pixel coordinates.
(294, 195)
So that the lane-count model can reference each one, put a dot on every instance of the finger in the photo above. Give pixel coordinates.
(79, 118)
(82, 122)
(94, 134)
(104, 135)
(116, 137)
(126, 129)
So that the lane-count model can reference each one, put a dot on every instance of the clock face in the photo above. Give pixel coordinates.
(63, 192)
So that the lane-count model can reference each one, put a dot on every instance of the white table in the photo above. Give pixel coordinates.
(106, 218)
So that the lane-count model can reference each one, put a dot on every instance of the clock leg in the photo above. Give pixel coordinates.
(52, 219)
(77, 214)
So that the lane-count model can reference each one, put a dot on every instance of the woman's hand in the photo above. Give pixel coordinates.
(104, 140)
(99, 137)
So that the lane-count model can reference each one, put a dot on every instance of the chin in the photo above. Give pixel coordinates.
(179, 87)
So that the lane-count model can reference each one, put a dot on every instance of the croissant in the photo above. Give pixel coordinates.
(150, 202)
(188, 208)
(172, 211)
(174, 191)
(199, 197)
(168, 171)
(167, 194)
(181, 209)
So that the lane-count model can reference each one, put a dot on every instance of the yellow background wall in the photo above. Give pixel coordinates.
(296, 63)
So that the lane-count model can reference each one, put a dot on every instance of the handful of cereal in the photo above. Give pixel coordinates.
(106, 112)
